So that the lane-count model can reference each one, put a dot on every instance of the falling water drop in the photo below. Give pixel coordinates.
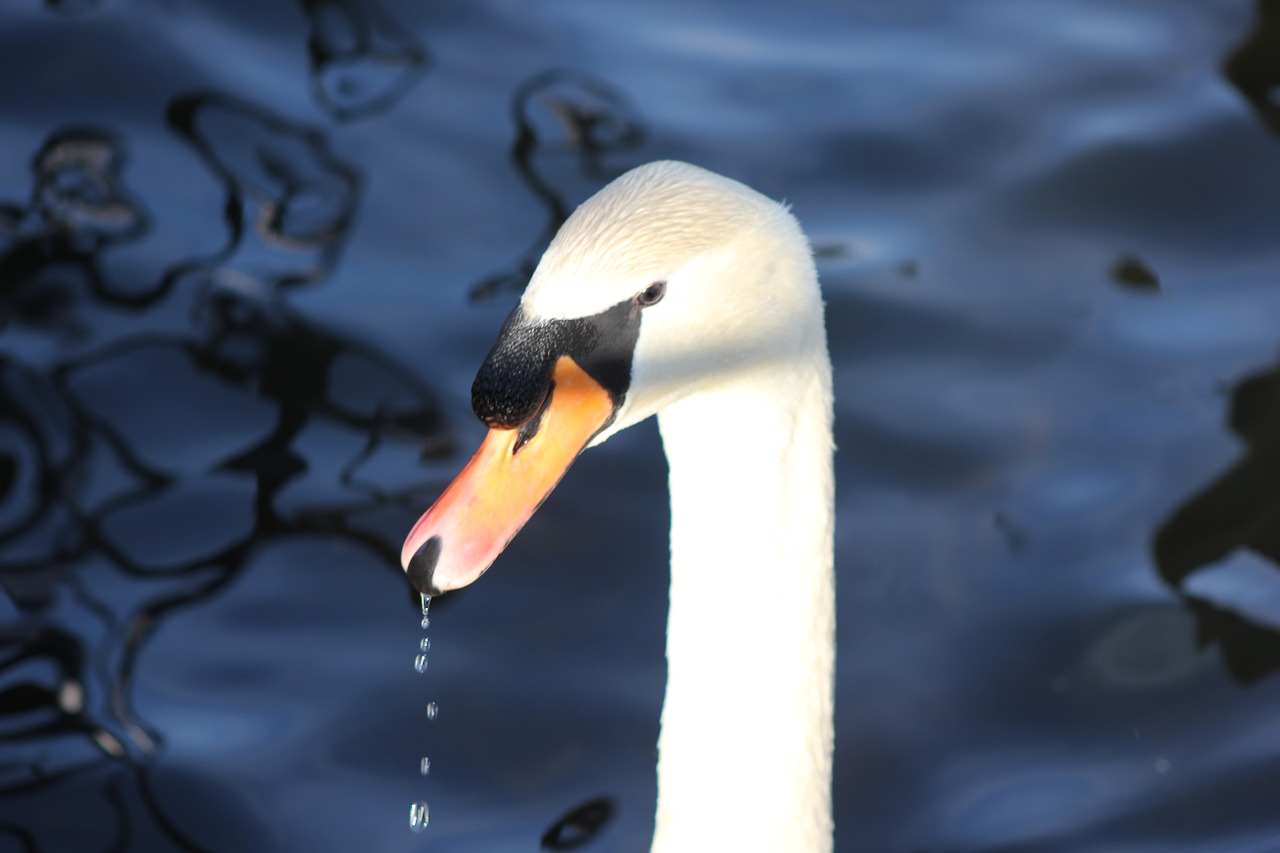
(418, 816)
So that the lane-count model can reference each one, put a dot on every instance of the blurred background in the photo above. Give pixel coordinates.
(251, 255)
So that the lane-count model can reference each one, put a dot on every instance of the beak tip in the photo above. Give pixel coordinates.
(422, 566)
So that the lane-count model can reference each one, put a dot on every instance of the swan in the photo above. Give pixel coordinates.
(680, 293)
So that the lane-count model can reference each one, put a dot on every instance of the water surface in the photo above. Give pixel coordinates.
(251, 256)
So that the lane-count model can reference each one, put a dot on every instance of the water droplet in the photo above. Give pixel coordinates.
(418, 817)
(426, 604)
(432, 710)
(425, 645)
(425, 767)
(426, 623)
(420, 663)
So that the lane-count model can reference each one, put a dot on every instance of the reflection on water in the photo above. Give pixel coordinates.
(289, 201)
(362, 60)
(146, 460)
(54, 243)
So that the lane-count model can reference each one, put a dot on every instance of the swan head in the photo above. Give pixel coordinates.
(670, 281)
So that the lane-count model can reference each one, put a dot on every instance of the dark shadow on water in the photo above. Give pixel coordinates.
(1132, 274)
(71, 7)
(581, 826)
(1254, 67)
(1239, 510)
(119, 416)
(566, 123)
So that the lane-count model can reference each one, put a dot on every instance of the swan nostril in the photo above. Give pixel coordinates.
(529, 428)
(423, 566)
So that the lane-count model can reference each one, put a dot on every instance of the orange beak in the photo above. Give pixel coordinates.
(509, 477)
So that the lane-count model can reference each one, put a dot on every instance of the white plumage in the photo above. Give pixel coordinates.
(734, 363)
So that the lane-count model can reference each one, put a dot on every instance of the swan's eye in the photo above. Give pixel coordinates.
(652, 294)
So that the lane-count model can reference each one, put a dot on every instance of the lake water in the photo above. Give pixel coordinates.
(252, 254)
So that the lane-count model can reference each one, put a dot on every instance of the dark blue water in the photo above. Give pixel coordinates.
(251, 255)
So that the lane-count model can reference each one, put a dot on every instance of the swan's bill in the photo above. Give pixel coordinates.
(511, 474)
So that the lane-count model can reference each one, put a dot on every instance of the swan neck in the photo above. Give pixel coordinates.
(745, 747)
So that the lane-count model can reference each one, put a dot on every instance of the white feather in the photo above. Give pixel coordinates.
(734, 363)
